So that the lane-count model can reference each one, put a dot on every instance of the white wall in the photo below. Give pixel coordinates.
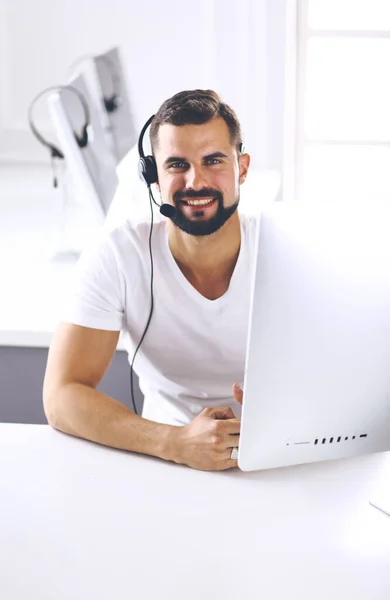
(166, 47)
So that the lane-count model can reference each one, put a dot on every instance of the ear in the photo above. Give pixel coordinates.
(243, 162)
(157, 187)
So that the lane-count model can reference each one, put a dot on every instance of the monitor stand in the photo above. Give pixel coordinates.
(65, 248)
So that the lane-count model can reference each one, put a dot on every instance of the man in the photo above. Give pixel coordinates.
(194, 350)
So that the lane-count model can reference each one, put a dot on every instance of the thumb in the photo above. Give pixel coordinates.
(238, 393)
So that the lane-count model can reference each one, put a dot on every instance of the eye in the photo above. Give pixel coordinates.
(213, 161)
(178, 165)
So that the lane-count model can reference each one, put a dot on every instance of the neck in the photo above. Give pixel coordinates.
(207, 257)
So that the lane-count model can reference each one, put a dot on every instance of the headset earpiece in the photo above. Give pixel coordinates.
(55, 152)
(83, 140)
(147, 169)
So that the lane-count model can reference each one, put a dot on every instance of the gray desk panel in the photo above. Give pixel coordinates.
(21, 379)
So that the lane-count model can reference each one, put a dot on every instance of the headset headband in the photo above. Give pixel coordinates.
(56, 88)
(141, 136)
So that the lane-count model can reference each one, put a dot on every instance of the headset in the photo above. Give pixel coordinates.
(147, 168)
(147, 171)
(82, 140)
(113, 102)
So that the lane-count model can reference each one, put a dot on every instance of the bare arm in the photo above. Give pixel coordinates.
(78, 359)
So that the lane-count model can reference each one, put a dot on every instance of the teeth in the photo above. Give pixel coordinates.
(199, 202)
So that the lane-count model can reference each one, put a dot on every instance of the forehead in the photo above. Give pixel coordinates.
(184, 140)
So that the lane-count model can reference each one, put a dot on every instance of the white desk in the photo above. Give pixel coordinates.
(79, 521)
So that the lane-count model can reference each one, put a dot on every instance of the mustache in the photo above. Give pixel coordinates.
(203, 193)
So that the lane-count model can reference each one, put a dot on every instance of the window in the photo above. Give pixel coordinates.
(343, 100)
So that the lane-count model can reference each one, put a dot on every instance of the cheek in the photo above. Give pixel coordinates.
(220, 178)
(227, 182)
(170, 185)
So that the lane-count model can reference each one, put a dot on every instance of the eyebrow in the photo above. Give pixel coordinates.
(172, 159)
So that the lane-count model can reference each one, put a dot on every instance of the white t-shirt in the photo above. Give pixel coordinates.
(195, 348)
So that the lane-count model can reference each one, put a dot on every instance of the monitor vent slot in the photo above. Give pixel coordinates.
(328, 440)
(338, 439)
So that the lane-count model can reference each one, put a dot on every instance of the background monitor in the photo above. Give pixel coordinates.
(92, 168)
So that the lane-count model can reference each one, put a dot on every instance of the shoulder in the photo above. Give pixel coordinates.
(118, 254)
(132, 234)
(128, 241)
(116, 258)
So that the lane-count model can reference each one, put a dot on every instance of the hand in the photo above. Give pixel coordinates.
(206, 443)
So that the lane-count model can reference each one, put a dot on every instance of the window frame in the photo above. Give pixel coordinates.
(295, 157)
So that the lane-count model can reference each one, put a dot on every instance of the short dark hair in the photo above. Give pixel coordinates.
(195, 107)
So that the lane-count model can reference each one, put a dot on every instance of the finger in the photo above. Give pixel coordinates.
(232, 426)
(237, 392)
(227, 462)
(232, 441)
(228, 427)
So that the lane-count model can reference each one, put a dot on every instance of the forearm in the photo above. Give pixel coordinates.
(82, 411)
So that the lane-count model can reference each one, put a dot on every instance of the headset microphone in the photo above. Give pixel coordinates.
(167, 210)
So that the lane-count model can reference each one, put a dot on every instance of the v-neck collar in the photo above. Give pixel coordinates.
(188, 287)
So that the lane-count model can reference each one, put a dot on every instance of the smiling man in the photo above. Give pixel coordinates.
(194, 349)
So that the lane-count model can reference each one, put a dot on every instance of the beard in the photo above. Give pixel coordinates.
(206, 227)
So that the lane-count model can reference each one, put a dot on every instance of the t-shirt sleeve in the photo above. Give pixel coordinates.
(96, 295)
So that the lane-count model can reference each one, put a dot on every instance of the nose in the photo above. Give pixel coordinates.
(195, 178)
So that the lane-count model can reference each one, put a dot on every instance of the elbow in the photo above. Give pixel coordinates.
(52, 407)
(57, 407)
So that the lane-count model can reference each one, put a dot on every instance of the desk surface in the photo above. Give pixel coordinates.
(78, 520)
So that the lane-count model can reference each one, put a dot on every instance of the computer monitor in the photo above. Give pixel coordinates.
(317, 377)
(92, 168)
(115, 102)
